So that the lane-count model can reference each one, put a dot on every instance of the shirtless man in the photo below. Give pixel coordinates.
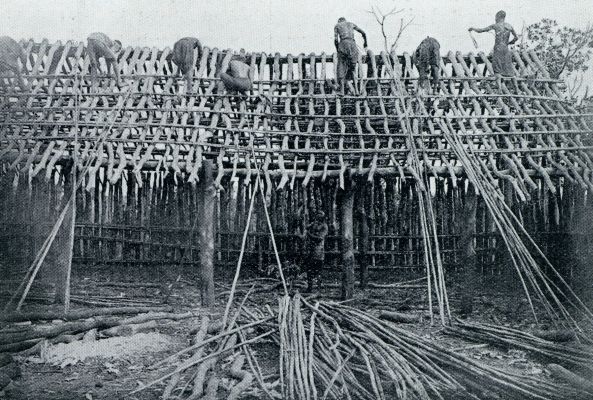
(347, 50)
(315, 238)
(501, 56)
(100, 45)
(183, 57)
(237, 79)
(427, 59)
(10, 53)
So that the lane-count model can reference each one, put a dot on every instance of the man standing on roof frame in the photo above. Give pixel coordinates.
(502, 61)
(347, 51)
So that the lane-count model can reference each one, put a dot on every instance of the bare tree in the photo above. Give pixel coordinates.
(382, 19)
(574, 87)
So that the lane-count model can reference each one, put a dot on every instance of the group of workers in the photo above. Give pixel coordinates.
(237, 77)
(427, 56)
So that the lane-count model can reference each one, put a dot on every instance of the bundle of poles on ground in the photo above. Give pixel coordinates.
(330, 350)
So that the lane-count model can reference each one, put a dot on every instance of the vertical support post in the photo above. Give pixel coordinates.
(468, 251)
(364, 237)
(347, 236)
(66, 244)
(206, 214)
(502, 256)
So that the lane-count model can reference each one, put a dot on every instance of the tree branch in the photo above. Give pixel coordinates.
(381, 19)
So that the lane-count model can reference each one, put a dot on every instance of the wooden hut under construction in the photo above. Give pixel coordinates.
(147, 181)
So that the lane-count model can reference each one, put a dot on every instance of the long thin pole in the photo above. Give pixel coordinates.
(73, 203)
(34, 268)
(239, 261)
(261, 191)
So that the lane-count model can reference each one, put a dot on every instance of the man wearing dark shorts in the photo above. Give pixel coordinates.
(347, 50)
(183, 57)
(237, 79)
(427, 59)
(316, 233)
(99, 45)
(10, 54)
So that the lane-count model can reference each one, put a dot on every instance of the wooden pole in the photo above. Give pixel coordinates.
(502, 256)
(347, 236)
(66, 245)
(206, 204)
(364, 237)
(468, 251)
(64, 265)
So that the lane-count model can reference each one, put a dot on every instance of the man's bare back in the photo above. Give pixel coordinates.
(502, 63)
(237, 79)
(239, 69)
(345, 30)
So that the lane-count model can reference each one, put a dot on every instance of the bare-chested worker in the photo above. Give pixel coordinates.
(101, 46)
(183, 57)
(315, 238)
(10, 54)
(427, 59)
(501, 56)
(347, 50)
(237, 78)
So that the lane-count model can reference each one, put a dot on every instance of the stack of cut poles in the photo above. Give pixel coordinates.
(329, 350)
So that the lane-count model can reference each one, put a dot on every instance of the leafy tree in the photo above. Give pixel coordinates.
(563, 50)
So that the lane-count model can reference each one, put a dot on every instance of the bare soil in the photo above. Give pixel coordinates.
(115, 378)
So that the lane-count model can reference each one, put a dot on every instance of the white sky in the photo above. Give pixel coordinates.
(285, 26)
(271, 25)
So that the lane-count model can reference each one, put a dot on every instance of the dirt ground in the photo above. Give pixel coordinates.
(116, 377)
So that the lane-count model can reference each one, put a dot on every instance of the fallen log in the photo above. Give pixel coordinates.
(36, 349)
(129, 330)
(90, 336)
(372, 285)
(83, 326)
(19, 346)
(128, 284)
(49, 332)
(212, 388)
(245, 378)
(79, 314)
(213, 328)
(574, 380)
(556, 335)
(403, 318)
(199, 338)
(198, 389)
(200, 379)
